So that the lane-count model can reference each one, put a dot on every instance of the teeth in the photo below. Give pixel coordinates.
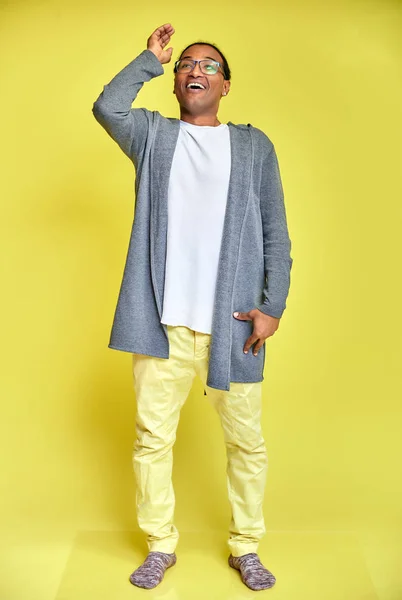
(196, 85)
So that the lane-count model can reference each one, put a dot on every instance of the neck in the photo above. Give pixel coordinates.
(210, 120)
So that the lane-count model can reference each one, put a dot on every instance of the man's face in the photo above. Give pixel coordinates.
(200, 101)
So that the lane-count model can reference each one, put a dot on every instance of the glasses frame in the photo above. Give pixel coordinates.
(190, 60)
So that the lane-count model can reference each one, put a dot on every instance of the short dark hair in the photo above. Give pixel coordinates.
(225, 65)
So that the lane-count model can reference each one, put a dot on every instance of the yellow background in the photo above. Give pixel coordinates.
(323, 80)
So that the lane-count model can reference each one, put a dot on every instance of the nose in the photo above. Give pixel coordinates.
(196, 71)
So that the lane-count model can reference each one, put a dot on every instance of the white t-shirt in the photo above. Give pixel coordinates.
(197, 196)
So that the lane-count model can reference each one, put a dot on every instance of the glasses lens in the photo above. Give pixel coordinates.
(209, 67)
(184, 65)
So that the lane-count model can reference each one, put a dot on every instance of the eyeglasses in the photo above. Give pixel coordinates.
(207, 66)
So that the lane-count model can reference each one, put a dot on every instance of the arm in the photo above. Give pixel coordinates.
(277, 245)
(127, 126)
(112, 109)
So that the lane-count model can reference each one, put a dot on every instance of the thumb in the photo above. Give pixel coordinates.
(169, 52)
(242, 316)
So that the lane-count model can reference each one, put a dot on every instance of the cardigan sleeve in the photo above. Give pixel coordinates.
(112, 109)
(276, 241)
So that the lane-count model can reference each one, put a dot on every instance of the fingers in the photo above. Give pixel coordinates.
(258, 347)
(164, 31)
(251, 340)
(164, 40)
(163, 35)
(158, 40)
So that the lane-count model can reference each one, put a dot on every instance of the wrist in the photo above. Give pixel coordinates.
(155, 54)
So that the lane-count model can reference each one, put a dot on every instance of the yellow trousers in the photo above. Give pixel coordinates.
(162, 386)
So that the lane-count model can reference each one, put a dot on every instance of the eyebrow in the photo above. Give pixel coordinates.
(210, 57)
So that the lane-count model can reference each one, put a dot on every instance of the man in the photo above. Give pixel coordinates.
(206, 280)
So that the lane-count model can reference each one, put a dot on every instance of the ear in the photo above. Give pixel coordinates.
(226, 88)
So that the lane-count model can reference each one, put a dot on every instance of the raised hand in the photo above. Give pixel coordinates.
(158, 40)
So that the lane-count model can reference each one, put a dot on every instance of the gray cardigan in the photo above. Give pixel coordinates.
(254, 261)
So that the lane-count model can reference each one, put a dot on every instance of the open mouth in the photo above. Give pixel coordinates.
(195, 87)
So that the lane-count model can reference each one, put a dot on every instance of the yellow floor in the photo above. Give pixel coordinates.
(310, 565)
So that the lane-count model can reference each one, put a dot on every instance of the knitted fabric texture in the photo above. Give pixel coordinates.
(252, 572)
(152, 571)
